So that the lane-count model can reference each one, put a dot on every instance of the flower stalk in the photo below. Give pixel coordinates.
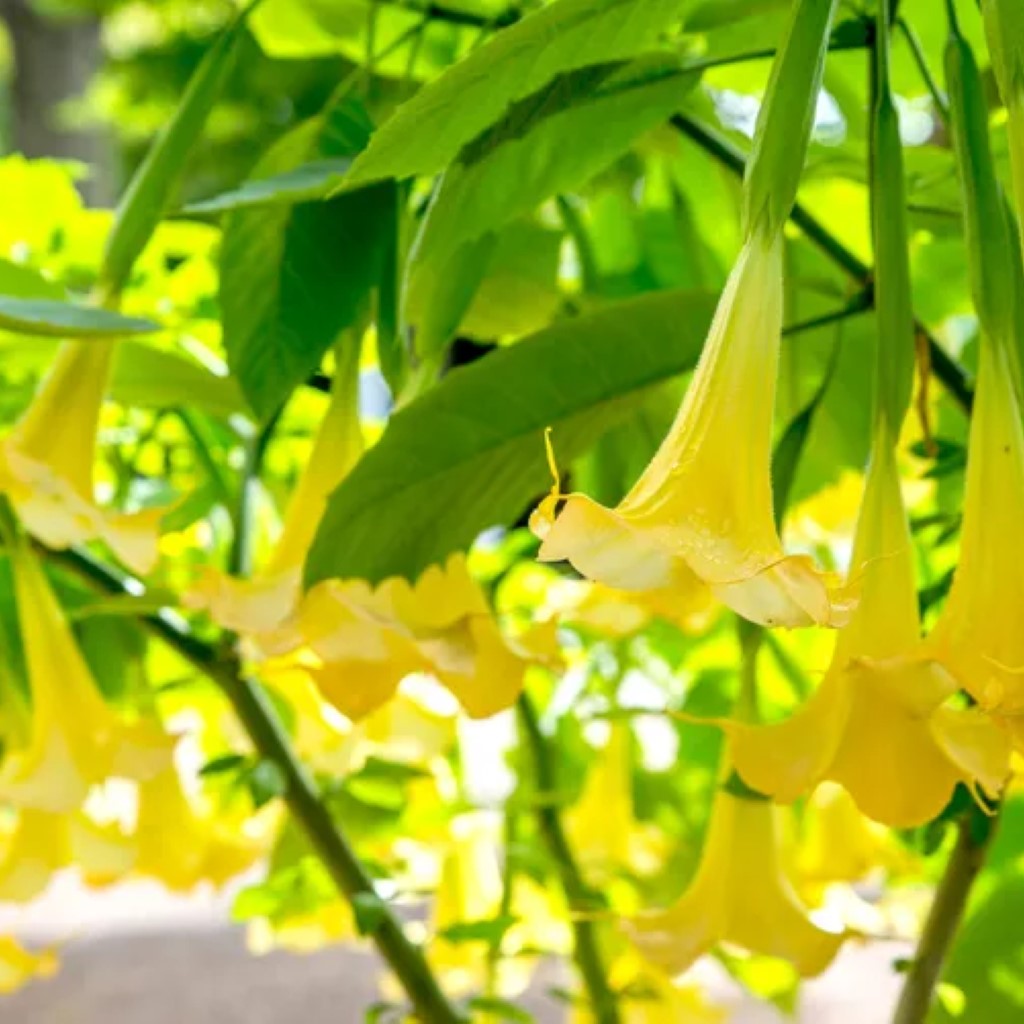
(944, 917)
(578, 895)
(301, 793)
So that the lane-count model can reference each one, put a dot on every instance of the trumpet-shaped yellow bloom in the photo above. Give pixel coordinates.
(365, 640)
(41, 844)
(740, 896)
(840, 844)
(704, 504)
(978, 636)
(75, 739)
(261, 604)
(877, 724)
(180, 845)
(607, 796)
(46, 462)
(469, 891)
(19, 966)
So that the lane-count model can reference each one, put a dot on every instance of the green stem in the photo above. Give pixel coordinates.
(930, 81)
(240, 557)
(944, 368)
(302, 795)
(860, 303)
(580, 898)
(947, 911)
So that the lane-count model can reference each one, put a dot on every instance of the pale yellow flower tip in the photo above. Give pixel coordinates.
(18, 966)
(46, 462)
(56, 514)
(740, 896)
(704, 504)
(249, 606)
(41, 844)
(364, 640)
(75, 739)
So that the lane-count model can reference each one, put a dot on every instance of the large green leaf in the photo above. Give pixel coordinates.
(314, 180)
(294, 276)
(524, 159)
(426, 133)
(470, 453)
(56, 319)
(151, 191)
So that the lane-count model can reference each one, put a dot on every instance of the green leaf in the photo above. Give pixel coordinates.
(266, 782)
(223, 765)
(314, 180)
(427, 132)
(489, 930)
(502, 1009)
(370, 912)
(470, 453)
(440, 293)
(52, 318)
(294, 277)
(151, 191)
(523, 160)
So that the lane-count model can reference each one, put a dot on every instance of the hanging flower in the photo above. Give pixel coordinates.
(40, 844)
(840, 844)
(879, 723)
(19, 966)
(46, 462)
(739, 895)
(261, 604)
(978, 636)
(179, 844)
(607, 796)
(704, 504)
(361, 641)
(74, 738)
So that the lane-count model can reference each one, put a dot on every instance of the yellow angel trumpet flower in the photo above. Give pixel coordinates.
(879, 723)
(180, 844)
(607, 796)
(19, 966)
(704, 504)
(261, 604)
(46, 462)
(74, 739)
(739, 895)
(41, 844)
(840, 844)
(364, 640)
(978, 636)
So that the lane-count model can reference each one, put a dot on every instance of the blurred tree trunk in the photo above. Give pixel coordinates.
(54, 61)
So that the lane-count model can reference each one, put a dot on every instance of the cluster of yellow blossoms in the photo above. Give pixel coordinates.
(888, 733)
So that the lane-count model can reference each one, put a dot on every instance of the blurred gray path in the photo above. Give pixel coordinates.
(149, 959)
